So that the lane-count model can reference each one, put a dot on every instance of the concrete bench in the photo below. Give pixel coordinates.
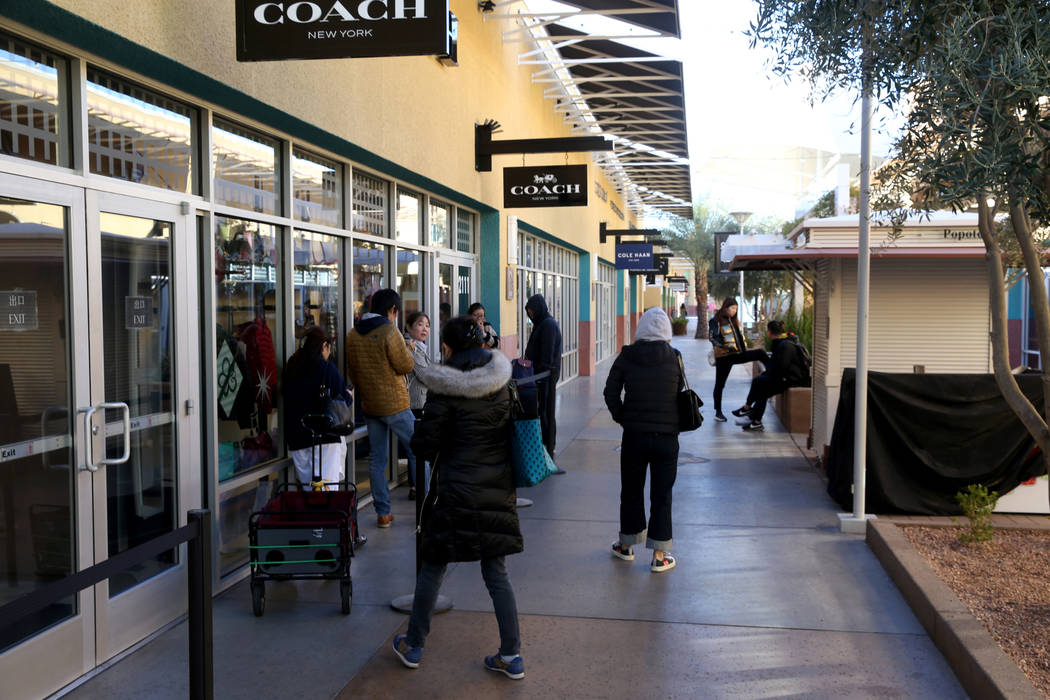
(793, 408)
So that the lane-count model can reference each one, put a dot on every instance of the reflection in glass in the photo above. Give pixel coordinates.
(318, 262)
(370, 201)
(446, 308)
(138, 135)
(247, 322)
(316, 189)
(464, 288)
(464, 231)
(439, 219)
(409, 282)
(32, 107)
(408, 217)
(246, 166)
(137, 347)
(369, 268)
(36, 441)
(235, 508)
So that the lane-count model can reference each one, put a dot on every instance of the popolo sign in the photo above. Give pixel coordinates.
(545, 186)
(278, 31)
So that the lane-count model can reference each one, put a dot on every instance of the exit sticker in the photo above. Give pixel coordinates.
(138, 313)
(18, 310)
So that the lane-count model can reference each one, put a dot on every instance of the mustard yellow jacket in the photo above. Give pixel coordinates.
(377, 362)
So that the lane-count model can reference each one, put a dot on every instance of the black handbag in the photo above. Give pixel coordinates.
(689, 416)
(338, 412)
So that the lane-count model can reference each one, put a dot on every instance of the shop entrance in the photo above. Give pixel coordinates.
(91, 430)
(455, 285)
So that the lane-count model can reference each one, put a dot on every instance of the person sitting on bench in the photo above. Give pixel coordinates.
(787, 367)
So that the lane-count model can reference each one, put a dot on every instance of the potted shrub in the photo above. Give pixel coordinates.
(678, 325)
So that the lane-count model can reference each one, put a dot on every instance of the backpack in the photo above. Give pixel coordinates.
(806, 357)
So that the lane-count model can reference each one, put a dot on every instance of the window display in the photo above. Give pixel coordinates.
(247, 325)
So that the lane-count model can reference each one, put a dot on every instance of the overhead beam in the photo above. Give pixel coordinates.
(485, 147)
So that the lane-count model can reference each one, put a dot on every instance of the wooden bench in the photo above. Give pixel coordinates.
(793, 408)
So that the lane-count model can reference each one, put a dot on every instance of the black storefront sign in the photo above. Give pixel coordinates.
(722, 268)
(279, 31)
(545, 186)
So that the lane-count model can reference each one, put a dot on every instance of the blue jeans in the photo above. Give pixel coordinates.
(403, 424)
(494, 571)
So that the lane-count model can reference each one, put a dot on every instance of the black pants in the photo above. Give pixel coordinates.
(723, 365)
(762, 389)
(548, 395)
(639, 451)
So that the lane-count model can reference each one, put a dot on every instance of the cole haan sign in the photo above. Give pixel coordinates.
(545, 186)
(278, 31)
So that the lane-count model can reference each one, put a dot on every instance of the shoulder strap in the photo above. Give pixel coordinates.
(681, 368)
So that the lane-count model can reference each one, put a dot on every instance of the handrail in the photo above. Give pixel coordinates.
(197, 532)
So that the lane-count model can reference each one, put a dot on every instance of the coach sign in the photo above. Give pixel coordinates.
(545, 186)
(278, 31)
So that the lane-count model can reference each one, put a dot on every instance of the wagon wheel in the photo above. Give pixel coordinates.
(258, 598)
(346, 594)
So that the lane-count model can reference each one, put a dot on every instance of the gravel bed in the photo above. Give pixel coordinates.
(1006, 585)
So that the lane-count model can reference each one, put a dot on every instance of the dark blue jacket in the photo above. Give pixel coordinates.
(302, 396)
(544, 346)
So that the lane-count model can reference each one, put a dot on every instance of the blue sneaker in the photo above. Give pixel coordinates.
(410, 656)
(511, 669)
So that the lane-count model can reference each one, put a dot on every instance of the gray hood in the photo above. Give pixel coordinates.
(473, 383)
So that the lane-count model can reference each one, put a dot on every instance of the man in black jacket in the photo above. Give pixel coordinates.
(786, 368)
(544, 351)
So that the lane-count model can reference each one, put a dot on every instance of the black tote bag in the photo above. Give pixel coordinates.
(689, 416)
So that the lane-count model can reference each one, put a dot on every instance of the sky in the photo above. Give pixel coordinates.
(746, 128)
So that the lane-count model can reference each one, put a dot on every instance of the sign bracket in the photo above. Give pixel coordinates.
(485, 147)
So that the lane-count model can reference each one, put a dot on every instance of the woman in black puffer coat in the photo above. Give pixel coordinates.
(469, 511)
(641, 394)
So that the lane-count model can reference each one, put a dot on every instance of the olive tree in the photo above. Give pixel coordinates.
(972, 78)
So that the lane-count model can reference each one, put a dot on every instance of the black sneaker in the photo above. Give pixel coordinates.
(742, 411)
(754, 426)
(412, 493)
(719, 418)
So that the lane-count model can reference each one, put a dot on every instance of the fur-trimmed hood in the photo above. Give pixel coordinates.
(473, 383)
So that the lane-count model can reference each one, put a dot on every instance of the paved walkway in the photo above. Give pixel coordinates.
(768, 598)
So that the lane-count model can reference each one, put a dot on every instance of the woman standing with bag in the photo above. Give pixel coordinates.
(469, 511)
(417, 330)
(730, 349)
(310, 380)
(641, 393)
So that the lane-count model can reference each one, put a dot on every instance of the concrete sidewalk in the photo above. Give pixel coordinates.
(768, 598)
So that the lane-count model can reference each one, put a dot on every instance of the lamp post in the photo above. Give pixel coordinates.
(741, 218)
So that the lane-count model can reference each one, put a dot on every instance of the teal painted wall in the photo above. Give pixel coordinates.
(619, 292)
(489, 281)
(585, 286)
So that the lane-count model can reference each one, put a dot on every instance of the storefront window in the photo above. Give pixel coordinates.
(369, 267)
(248, 326)
(409, 281)
(317, 187)
(553, 271)
(464, 231)
(370, 202)
(439, 221)
(409, 208)
(246, 166)
(33, 108)
(318, 266)
(138, 135)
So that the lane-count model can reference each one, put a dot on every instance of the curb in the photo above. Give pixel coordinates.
(983, 669)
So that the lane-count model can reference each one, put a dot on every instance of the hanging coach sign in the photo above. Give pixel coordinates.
(279, 31)
(545, 186)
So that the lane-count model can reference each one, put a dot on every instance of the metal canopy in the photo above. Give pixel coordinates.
(655, 15)
(636, 97)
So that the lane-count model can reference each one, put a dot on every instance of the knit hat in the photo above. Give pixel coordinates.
(654, 325)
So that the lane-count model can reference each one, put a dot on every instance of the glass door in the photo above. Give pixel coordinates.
(136, 480)
(91, 438)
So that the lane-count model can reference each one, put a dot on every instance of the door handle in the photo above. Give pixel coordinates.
(89, 432)
(126, 420)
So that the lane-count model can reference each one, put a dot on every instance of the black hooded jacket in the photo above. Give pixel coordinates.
(544, 346)
(647, 373)
(470, 510)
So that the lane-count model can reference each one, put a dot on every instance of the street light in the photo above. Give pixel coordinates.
(741, 218)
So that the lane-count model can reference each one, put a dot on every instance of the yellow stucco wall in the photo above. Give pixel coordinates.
(413, 110)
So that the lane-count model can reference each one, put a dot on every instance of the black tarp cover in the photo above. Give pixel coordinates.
(930, 436)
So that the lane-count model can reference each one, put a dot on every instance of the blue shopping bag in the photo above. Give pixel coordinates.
(532, 464)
